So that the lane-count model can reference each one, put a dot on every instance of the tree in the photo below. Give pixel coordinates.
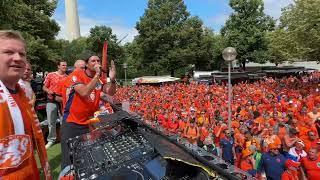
(300, 25)
(278, 46)
(217, 48)
(246, 30)
(169, 39)
(32, 18)
(39, 54)
(74, 50)
(98, 35)
(132, 55)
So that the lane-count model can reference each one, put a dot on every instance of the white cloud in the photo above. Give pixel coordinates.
(87, 23)
(119, 29)
(273, 7)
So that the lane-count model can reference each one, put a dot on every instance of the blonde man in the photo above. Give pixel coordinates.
(20, 133)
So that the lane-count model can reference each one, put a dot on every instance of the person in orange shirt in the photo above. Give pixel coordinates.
(240, 138)
(235, 125)
(247, 162)
(243, 112)
(202, 119)
(51, 87)
(20, 132)
(291, 172)
(256, 128)
(314, 114)
(304, 128)
(311, 165)
(239, 142)
(292, 107)
(311, 141)
(65, 85)
(173, 125)
(165, 122)
(83, 101)
(273, 121)
(219, 132)
(282, 131)
(203, 132)
(182, 124)
(290, 139)
(270, 138)
(191, 132)
(303, 116)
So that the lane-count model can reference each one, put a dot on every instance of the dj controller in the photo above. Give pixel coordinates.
(103, 154)
(121, 148)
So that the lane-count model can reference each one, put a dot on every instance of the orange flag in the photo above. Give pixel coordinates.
(105, 59)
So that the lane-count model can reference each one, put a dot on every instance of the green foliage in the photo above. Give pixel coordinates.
(32, 18)
(246, 30)
(75, 50)
(218, 46)
(38, 53)
(131, 57)
(300, 25)
(98, 35)
(279, 43)
(169, 39)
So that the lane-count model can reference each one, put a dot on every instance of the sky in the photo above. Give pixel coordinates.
(122, 15)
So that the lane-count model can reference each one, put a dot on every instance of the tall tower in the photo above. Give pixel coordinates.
(72, 19)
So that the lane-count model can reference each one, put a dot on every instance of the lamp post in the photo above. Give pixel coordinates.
(229, 54)
(193, 68)
(125, 66)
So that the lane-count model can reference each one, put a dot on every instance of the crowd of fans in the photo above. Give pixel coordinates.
(275, 122)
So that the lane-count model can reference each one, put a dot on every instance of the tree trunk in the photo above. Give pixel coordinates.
(172, 73)
(244, 65)
(156, 73)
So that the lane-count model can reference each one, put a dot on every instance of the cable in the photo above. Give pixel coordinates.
(138, 173)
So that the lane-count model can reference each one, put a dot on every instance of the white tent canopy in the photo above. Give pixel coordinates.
(153, 79)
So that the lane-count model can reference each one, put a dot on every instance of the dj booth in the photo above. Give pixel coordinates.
(122, 147)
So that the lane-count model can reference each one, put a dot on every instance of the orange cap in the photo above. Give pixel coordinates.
(273, 146)
(246, 152)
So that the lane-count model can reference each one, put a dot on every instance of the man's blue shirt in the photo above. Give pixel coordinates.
(226, 146)
(272, 165)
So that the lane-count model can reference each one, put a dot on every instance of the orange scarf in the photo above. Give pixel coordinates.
(12, 143)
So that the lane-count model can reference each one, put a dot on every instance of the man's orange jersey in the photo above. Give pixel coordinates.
(80, 109)
(312, 168)
(28, 167)
(64, 88)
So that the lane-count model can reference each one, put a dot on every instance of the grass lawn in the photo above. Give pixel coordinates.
(54, 157)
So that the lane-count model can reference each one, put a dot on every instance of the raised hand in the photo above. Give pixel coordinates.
(112, 71)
